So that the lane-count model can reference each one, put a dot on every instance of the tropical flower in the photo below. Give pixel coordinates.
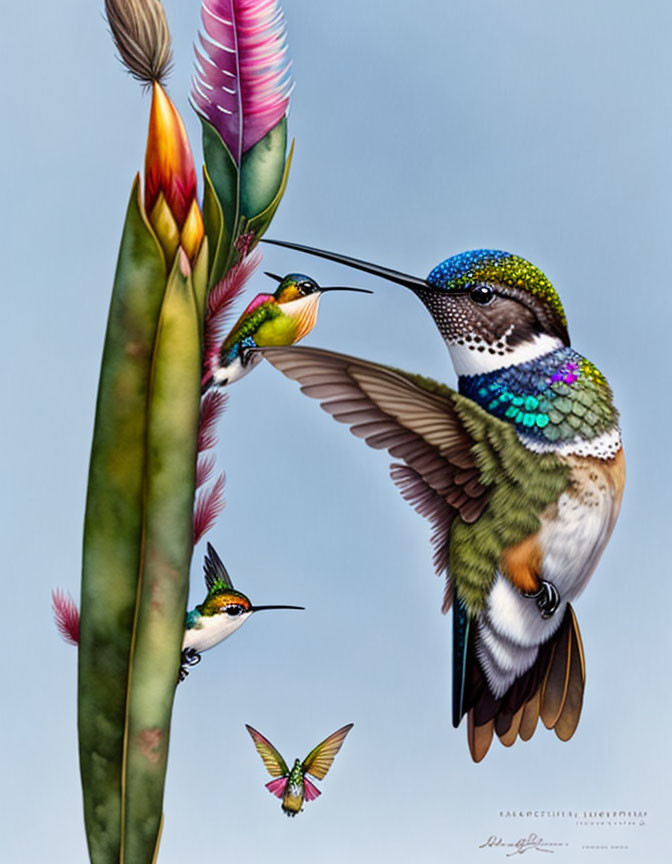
(242, 80)
(170, 180)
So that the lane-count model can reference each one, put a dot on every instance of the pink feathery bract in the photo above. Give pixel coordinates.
(66, 615)
(220, 301)
(205, 465)
(209, 504)
(212, 406)
(242, 80)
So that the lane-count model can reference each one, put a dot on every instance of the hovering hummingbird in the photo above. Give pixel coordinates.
(222, 612)
(293, 785)
(282, 318)
(520, 473)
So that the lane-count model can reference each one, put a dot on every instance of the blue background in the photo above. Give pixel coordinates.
(422, 129)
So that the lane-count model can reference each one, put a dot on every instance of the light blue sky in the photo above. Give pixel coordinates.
(422, 129)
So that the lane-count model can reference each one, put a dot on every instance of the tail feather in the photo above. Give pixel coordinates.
(479, 737)
(461, 659)
(551, 689)
(571, 712)
(508, 738)
(554, 690)
(530, 717)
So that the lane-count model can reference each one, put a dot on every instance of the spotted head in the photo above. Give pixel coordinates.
(492, 308)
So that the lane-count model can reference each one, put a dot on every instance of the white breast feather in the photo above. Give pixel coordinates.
(511, 629)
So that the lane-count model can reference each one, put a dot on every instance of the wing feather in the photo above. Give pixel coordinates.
(275, 764)
(462, 457)
(320, 758)
(419, 427)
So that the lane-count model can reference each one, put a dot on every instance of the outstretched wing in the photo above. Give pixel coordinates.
(214, 571)
(463, 469)
(439, 477)
(275, 764)
(320, 758)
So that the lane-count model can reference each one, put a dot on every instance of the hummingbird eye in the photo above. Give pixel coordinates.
(233, 610)
(482, 294)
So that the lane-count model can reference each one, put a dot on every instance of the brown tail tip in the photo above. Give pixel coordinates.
(556, 697)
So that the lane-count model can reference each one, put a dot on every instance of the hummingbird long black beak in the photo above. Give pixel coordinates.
(322, 290)
(416, 285)
(345, 288)
(261, 608)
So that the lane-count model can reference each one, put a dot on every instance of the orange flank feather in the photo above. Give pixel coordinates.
(521, 564)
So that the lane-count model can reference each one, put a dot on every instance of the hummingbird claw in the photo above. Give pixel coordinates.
(190, 657)
(547, 599)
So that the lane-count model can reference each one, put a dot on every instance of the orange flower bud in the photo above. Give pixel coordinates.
(170, 179)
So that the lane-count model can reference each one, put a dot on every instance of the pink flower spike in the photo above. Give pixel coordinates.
(209, 504)
(66, 615)
(242, 80)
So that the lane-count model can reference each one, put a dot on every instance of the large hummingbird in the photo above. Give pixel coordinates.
(222, 612)
(292, 785)
(521, 474)
(281, 318)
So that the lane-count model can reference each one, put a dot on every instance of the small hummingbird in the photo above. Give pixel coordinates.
(208, 624)
(520, 473)
(293, 785)
(281, 318)
(222, 612)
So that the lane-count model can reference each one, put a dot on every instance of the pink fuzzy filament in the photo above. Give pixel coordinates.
(66, 615)
(209, 504)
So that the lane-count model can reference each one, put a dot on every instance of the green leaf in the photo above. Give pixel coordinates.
(258, 225)
(219, 244)
(223, 174)
(113, 528)
(200, 280)
(170, 470)
(261, 171)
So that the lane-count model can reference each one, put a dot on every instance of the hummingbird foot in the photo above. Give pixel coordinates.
(547, 598)
(189, 657)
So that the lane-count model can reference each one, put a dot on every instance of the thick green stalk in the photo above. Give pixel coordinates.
(170, 469)
(137, 543)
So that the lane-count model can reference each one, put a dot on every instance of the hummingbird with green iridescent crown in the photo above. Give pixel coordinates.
(222, 612)
(520, 472)
(281, 318)
(292, 785)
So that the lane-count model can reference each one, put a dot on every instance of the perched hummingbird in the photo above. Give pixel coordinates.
(293, 785)
(521, 474)
(282, 318)
(218, 616)
(223, 611)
